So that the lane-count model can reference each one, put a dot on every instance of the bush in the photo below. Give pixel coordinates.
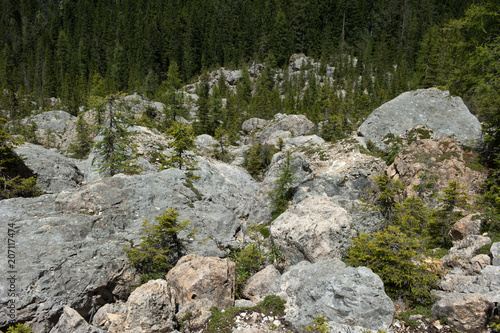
(395, 257)
(161, 246)
(19, 328)
(282, 194)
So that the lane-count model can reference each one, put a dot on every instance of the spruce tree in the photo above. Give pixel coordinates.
(83, 143)
(116, 152)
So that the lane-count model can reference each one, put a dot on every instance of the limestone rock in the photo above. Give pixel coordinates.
(464, 227)
(495, 252)
(346, 295)
(253, 124)
(436, 109)
(464, 312)
(150, 309)
(259, 285)
(305, 141)
(314, 229)
(71, 244)
(297, 125)
(200, 283)
(462, 252)
(486, 283)
(435, 163)
(54, 172)
(195, 277)
(51, 126)
(71, 321)
(109, 314)
(205, 143)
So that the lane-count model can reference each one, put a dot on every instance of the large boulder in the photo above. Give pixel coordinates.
(150, 309)
(71, 321)
(53, 171)
(463, 312)
(346, 295)
(295, 125)
(314, 229)
(259, 285)
(70, 245)
(436, 109)
(495, 252)
(51, 126)
(200, 283)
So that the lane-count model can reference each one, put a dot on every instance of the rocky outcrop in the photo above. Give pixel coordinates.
(436, 109)
(253, 124)
(53, 171)
(314, 229)
(285, 126)
(150, 309)
(462, 252)
(200, 283)
(464, 312)
(428, 166)
(469, 225)
(259, 285)
(346, 295)
(71, 321)
(51, 126)
(71, 244)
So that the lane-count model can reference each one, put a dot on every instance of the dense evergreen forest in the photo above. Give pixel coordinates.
(58, 48)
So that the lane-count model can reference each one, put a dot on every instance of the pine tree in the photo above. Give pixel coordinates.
(161, 246)
(282, 194)
(183, 141)
(115, 149)
(83, 144)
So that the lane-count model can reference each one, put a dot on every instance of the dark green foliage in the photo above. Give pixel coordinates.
(19, 328)
(387, 191)
(248, 262)
(394, 256)
(16, 179)
(258, 159)
(84, 142)
(283, 192)
(424, 311)
(161, 245)
(115, 149)
(183, 141)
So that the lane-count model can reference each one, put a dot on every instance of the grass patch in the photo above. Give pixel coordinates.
(424, 311)
(223, 321)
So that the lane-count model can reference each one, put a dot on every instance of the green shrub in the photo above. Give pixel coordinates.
(161, 247)
(395, 257)
(19, 328)
(319, 325)
(425, 311)
(283, 193)
(248, 261)
(258, 159)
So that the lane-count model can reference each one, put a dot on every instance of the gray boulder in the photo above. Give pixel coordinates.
(258, 286)
(436, 109)
(253, 124)
(54, 172)
(495, 252)
(71, 321)
(56, 121)
(346, 295)
(464, 312)
(150, 308)
(314, 229)
(70, 245)
(297, 125)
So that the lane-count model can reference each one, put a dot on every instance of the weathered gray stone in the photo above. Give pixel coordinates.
(55, 121)
(259, 285)
(200, 283)
(71, 321)
(297, 125)
(464, 227)
(436, 109)
(253, 124)
(346, 295)
(463, 312)
(495, 252)
(463, 251)
(101, 318)
(205, 143)
(54, 172)
(314, 229)
(150, 309)
(70, 245)
(305, 141)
